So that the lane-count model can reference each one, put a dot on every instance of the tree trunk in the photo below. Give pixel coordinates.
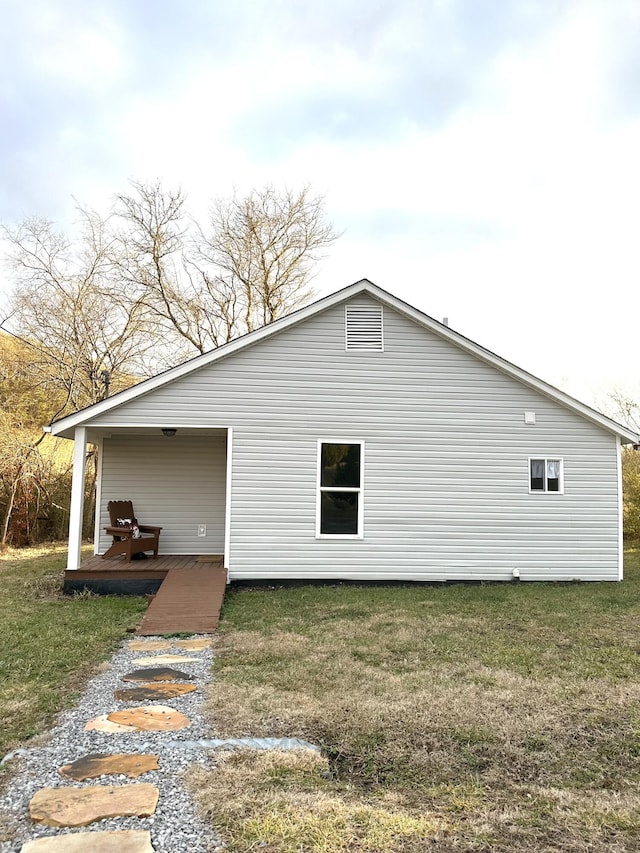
(10, 503)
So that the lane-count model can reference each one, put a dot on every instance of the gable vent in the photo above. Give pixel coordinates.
(364, 327)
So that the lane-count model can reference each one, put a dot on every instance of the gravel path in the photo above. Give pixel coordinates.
(175, 827)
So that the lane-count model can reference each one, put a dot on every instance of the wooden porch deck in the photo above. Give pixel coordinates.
(189, 589)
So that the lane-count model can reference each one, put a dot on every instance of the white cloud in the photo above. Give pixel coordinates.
(76, 51)
(507, 201)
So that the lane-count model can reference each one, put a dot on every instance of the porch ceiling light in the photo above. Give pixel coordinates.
(169, 431)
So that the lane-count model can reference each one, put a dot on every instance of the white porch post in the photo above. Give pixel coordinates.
(96, 525)
(227, 509)
(77, 497)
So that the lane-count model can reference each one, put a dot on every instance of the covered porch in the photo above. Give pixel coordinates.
(176, 478)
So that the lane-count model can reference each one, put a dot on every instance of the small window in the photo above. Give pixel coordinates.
(339, 500)
(545, 475)
(363, 327)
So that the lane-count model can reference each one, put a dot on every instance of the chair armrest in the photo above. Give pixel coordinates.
(149, 528)
(118, 531)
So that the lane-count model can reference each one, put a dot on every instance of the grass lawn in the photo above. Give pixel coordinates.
(455, 718)
(49, 643)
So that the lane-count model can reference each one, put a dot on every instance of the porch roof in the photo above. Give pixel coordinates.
(95, 432)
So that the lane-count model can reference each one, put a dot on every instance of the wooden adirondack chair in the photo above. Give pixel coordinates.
(129, 537)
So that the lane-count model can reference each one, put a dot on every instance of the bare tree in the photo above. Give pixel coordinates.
(135, 291)
(68, 306)
(150, 261)
(250, 265)
(83, 335)
(147, 286)
(627, 411)
(263, 248)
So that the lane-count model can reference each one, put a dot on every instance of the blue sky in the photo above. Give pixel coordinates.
(480, 156)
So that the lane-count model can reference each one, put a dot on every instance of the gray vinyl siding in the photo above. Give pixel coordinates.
(446, 486)
(177, 483)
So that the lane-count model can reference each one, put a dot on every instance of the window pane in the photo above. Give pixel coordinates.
(340, 465)
(553, 469)
(339, 513)
(553, 484)
(537, 475)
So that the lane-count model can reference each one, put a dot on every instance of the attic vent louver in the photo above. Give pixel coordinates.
(363, 327)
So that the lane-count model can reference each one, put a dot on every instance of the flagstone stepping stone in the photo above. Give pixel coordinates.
(193, 645)
(165, 659)
(151, 718)
(149, 645)
(160, 673)
(119, 841)
(103, 764)
(160, 690)
(81, 806)
(103, 724)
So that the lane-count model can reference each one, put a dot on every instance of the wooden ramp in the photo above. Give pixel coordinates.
(188, 601)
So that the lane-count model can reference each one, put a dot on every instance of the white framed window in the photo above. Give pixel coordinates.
(339, 500)
(546, 474)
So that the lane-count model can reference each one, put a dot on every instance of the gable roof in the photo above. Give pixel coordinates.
(65, 426)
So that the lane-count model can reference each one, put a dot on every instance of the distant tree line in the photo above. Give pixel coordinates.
(35, 473)
(130, 293)
(627, 411)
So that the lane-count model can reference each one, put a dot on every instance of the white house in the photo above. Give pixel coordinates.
(358, 438)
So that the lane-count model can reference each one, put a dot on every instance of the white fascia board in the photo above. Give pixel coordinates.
(65, 426)
(505, 366)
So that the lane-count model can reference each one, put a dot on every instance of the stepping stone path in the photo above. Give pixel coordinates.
(151, 718)
(165, 659)
(149, 645)
(164, 645)
(104, 724)
(82, 806)
(161, 690)
(102, 764)
(193, 645)
(120, 841)
(74, 807)
(161, 673)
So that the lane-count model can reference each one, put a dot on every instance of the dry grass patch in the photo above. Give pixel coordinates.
(299, 808)
(381, 725)
(507, 716)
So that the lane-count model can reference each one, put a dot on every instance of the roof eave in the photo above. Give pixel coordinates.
(65, 427)
(627, 435)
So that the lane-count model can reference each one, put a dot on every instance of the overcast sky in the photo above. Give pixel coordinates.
(481, 156)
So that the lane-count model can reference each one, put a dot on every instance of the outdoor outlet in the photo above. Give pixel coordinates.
(202, 530)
